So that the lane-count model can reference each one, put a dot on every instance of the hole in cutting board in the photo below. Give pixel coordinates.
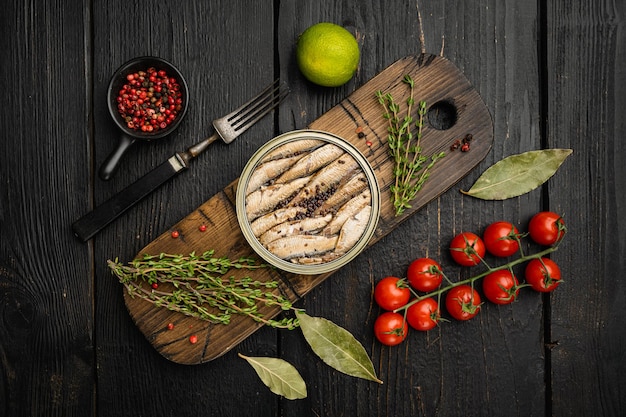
(442, 115)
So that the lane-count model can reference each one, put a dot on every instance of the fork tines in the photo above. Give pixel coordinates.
(257, 107)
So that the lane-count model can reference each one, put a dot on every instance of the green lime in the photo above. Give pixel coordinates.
(327, 54)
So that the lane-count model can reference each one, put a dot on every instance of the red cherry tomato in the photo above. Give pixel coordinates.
(467, 249)
(423, 315)
(546, 228)
(391, 293)
(424, 274)
(390, 328)
(501, 287)
(501, 239)
(543, 275)
(463, 302)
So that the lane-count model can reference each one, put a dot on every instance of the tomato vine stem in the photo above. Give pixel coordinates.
(470, 281)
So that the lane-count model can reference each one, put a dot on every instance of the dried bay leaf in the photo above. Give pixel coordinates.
(337, 347)
(518, 174)
(280, 376)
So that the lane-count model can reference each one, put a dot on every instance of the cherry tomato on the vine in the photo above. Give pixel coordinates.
(501, 239)
(463, 302)
(391, 293)
(501, 287)
(467, 249)
(424, 274)
(423, 315)
(543, 275)
(546, 228)
(390, 328)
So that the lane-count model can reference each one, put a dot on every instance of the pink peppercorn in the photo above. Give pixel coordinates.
(150, 91)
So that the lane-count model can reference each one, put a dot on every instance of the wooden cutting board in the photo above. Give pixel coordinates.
(455, 109)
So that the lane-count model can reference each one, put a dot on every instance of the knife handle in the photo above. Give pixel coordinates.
(93, 222)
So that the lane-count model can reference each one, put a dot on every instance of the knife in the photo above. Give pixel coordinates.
(227, 128)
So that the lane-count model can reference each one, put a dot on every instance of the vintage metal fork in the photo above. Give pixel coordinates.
(228, 128)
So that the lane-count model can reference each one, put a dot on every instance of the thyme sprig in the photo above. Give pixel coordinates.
(411, 167)
(196, 285)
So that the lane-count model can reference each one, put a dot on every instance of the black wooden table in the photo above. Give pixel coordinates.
(552, 75)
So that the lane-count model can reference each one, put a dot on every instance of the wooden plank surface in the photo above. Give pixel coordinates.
(439, 83)
(46, 321)
(586, 320)
(452, 370)
(551, 75)
(225, 50)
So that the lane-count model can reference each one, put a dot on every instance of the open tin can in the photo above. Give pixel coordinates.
(308, 202)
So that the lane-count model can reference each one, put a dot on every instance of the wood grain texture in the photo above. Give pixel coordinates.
(440, 82)
(420, 376)
(550, 73)
(585, 325)
(226, 54)
(46, 345)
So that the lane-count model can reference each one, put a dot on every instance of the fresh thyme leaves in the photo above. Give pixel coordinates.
(196, 285)
(411, 169)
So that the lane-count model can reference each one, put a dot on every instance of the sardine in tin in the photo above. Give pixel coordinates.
(308, 202)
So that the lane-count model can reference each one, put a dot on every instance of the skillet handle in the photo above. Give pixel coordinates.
(109, 166)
